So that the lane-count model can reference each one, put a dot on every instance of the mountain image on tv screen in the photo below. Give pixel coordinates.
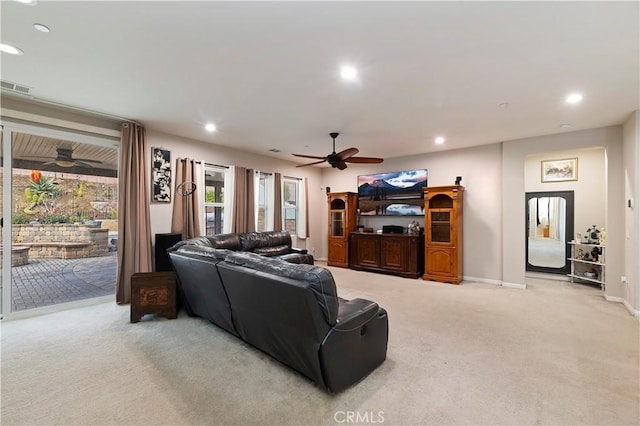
(392, 194)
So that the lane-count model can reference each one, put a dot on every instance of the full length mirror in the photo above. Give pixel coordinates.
(549, 226)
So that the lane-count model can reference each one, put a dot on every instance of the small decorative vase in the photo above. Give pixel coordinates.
(603, 237)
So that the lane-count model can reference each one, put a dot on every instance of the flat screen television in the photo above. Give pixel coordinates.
(392, 194)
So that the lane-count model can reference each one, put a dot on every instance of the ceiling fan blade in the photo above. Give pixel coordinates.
(309, 156)
(369, 160)
(36, 156)
(310, 164)
(86, 160)
(83, 163)
(347, 153)
(341, 165)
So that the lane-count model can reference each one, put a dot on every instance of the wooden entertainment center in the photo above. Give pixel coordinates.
(398, 254)
(436, 256)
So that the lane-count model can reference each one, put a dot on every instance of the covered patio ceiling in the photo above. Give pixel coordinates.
(61, 156)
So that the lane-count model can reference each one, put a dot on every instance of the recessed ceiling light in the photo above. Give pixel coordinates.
(504, 105)
(41, 28)
(6, 48)
(29, 2)
(210, 127)
(439, 140)
(574, 98)
(348, 73)
(565, 125)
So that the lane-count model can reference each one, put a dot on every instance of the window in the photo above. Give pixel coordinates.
(290, 204)
(214, 199)
(264, 200)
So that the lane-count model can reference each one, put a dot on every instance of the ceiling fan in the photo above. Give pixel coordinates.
(64, 158)
(339, 160)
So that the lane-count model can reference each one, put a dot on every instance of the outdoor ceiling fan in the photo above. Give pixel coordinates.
(339, 160)
(64, 158)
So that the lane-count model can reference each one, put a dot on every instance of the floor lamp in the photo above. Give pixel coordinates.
(185, 189)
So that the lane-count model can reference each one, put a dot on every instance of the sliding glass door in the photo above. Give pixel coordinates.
(60, 218)
(2, 222)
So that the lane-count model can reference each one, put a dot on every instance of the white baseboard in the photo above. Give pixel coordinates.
(616, 299)
(514, 285)
(496, 282)
(321, 259)
(634, 312)
(482, 280)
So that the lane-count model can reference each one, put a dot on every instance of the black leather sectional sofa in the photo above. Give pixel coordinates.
(270, 244)
(289, 311)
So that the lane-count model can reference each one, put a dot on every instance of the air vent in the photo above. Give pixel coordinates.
(275, 150)
(16, 88)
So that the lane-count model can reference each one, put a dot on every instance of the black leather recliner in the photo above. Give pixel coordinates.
(289, 311)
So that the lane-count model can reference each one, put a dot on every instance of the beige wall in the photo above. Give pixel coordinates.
(513, 189)
(589, 190)
(215, 154)
(631, 148)
(481, 176)
(494, 177)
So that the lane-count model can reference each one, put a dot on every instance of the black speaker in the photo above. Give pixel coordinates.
(163, 242)
(392, 229)
(328, 189)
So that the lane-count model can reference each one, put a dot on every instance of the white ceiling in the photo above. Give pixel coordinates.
(267, 73)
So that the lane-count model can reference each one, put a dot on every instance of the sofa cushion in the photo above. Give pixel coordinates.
(226, 241)
(205, 251)
(253, 240)
(297, 258)
(272, 251)
(319, 279)
(197, 241)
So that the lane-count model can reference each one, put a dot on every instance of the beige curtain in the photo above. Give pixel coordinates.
(303, 210)
(134, 224)
(186, 217)
(244, 217)
(277, 202)
(306, 204)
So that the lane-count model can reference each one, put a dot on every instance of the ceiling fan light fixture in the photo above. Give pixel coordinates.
(65, 163)
(339, 160)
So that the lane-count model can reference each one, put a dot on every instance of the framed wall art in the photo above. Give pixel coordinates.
(161, 175)
(562, 170)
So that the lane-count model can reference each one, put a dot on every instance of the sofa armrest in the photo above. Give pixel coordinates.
(353, 314)
(298, 250)
(356, 345)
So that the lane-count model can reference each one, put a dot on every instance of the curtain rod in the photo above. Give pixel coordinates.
(292, 177)
(206, 164)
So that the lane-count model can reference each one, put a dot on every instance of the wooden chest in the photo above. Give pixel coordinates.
(153, 293)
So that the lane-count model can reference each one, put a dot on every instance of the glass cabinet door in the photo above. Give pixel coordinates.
(440, 226)
(337, 224)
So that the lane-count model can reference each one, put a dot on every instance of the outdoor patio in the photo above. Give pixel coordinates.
(44, 282)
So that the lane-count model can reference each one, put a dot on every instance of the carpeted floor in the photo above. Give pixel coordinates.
(556, 353)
